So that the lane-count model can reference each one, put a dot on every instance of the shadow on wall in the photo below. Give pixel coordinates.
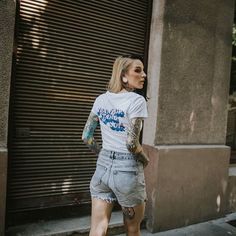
(47, 157)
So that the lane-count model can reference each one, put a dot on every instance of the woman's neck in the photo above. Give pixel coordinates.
(123, 91)
(126, 90)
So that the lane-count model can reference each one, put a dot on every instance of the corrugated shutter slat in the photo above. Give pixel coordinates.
(65, 52)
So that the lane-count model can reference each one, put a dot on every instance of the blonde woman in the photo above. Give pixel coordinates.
(119, 173)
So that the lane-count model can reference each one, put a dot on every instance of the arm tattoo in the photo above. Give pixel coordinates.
(133, 134)
(133, 144)
(88, 132)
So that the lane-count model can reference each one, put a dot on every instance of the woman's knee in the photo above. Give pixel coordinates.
(99, 229)
(133, 228)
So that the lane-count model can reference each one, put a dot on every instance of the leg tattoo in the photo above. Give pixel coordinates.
(128, 212)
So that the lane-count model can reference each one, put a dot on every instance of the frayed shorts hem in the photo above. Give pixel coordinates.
(108, 200)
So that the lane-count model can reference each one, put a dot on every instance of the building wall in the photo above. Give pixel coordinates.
(189, 69)
(184, 136)
(186, 184)
(7, 21)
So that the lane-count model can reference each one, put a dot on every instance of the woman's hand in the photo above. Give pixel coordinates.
(142, 157)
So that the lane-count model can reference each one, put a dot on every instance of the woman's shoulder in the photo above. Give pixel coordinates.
(137, 97)
(126, 96)
(101, 96)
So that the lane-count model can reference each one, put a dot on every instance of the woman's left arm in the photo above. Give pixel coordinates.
(88, 132)
(133, 144)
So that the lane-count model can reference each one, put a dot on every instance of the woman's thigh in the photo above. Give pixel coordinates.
(133, 216)
(101, 214)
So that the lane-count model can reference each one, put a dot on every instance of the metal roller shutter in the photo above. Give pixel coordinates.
(65, 52)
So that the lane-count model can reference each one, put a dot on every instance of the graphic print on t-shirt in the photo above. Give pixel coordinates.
(111, 118)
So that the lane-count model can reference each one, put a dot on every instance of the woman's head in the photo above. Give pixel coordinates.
(127, 74)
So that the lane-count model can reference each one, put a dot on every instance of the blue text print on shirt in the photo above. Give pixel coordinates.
(111, 118)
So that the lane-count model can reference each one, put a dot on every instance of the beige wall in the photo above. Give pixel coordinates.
(186, 184)
(188, 73)
(184, 136)
(7, 21)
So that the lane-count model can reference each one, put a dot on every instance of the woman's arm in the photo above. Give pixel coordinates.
(88, 132)
(133, 144)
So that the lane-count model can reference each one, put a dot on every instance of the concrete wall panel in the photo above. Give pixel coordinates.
(185, 185)
(7, 23)
(189, 72)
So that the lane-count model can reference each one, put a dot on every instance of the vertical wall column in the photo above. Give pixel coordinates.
(184, 136)
(7, 22)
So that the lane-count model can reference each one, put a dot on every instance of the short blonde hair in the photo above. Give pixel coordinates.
(120, 67)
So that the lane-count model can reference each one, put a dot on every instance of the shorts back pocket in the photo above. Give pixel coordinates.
(125, 181)
(98, 175)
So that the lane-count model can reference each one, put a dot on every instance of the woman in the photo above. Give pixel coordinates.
(119, 173)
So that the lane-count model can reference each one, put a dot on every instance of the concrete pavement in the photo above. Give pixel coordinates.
(80, 226)
(218, 227)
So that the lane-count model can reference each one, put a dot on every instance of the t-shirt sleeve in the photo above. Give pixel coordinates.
(138, 108)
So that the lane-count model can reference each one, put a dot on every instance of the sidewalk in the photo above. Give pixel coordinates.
(218, 227)
(80, 226)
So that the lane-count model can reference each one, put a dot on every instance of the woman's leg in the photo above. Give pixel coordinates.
(101, 214)
(133, 217)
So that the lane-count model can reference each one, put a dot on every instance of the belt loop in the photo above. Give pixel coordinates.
(112, 155)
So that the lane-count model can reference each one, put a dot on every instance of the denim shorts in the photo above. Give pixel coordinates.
(118, 177)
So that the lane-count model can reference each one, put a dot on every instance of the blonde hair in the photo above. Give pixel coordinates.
(120, 67)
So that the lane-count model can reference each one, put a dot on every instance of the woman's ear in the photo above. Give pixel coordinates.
(125, 80)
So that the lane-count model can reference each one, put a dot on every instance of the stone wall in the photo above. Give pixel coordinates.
(184, 136)
(7, 22)
(188, 73)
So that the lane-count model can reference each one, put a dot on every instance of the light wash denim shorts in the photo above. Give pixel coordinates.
(118, 177)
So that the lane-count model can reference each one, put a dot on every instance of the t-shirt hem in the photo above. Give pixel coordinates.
(136, 116)
(116, 149)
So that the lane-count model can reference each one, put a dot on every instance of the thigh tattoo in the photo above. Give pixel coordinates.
(128, 212)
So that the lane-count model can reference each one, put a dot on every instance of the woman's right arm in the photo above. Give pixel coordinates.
(132, 142)
(88, 133)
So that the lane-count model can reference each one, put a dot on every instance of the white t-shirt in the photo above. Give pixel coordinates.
(114, 111)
